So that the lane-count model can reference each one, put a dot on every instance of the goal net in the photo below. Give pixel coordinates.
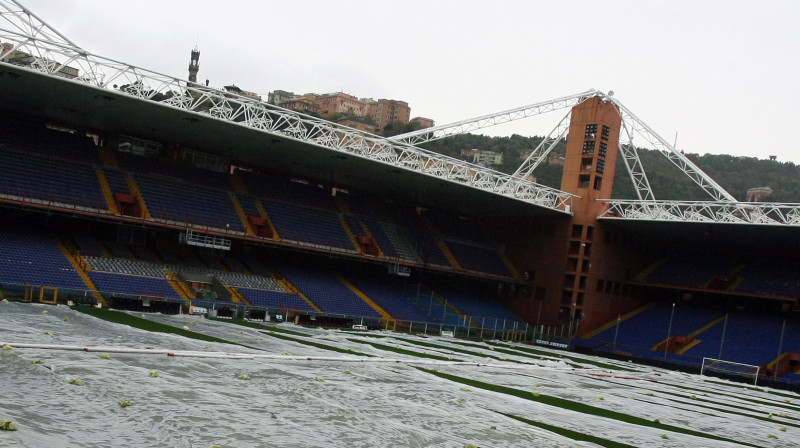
(731, 368)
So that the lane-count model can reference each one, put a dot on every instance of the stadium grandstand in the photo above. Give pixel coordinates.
(153, 193)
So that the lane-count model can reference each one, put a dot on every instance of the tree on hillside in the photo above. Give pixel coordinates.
(398, 127)
(734, 174)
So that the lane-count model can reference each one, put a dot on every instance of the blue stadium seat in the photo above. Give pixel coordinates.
(31, 256)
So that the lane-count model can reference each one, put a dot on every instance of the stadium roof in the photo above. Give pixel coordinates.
(88, 108)
(763, 239)
(253, 133)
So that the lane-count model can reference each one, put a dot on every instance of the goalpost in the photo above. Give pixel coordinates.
(730, 368)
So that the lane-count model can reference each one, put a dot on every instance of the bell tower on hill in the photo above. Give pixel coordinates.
(194, 65)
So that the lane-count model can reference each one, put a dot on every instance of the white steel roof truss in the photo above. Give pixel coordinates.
(52, 53)
(705, 182)
(543, 149)
(764, 213)
(473, 124)
(630, 156)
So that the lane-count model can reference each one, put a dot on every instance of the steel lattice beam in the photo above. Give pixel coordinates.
(630, 155)
(26, 23)
(637, 126)
(763, 213)
(46, 51)
(543, 149)
(473, 124)
(631, 125)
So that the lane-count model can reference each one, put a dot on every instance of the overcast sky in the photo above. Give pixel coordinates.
(722, 74)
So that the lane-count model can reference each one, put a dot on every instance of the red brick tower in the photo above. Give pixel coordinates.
(589, 164)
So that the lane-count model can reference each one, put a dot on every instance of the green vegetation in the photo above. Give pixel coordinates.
(735, 174)
(514, 150)
(782, 405)
(258, 326)
(542, 354)
(785, 395)
(364, 334)
(143, 324)
(766, 417)
(574, 435)
(458, 350)
(398, 127)
(575, 406)
(402, 351)
(7, 425)
(705, 403)
(715, 410)
(515, 351)
(314, 344)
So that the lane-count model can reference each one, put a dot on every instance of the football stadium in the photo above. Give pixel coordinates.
(184, 266)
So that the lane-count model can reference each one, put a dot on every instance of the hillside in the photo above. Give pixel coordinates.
(735, 174)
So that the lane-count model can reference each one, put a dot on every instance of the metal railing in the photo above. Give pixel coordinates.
(490, 328)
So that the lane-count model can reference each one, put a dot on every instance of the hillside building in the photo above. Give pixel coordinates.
(482, 157)
(340, 102)
(381, 112)
(758, 194)
(22, 58)
(238, 91)
(359, 123)
(301, 105)
(278, 97)
(424, 123)
(386, 111)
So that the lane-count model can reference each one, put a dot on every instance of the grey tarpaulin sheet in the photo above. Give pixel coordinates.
(199, 402)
